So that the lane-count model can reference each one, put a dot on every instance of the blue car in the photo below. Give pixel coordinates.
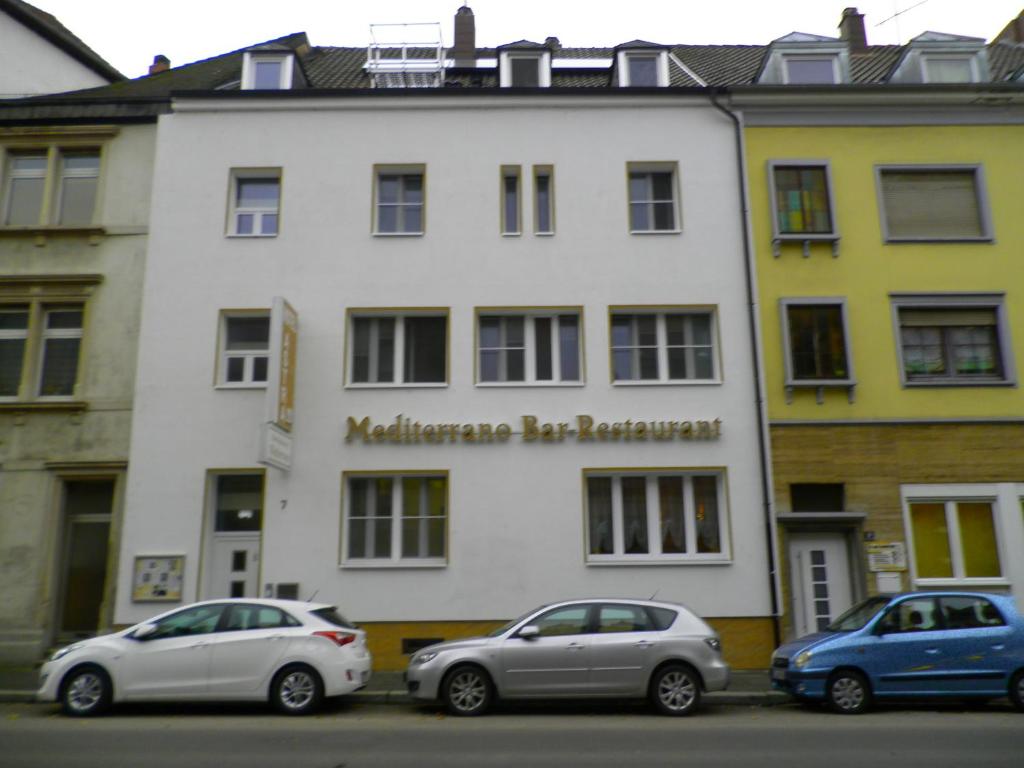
(964, 645)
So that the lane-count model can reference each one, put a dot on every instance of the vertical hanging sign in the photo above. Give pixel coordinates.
(276, 445)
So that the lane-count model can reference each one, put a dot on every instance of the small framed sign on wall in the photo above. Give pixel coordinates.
(158, 578)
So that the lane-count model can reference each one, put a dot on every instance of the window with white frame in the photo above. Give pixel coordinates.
(948, 69)
(664, 515)
(524, 69)
(40, 346)
(72, 200)
(810, 70)
(816, 343)
(256, 202)
(543, 200)
(511, 200)
(267, 71)
(396, 518)
(953, 340)
(954, 539)
(529, 347)
(397, 348)
(245, 349)
(653, 203)
(926, 203)
(642, 70)
(399, 201)
(663, 346)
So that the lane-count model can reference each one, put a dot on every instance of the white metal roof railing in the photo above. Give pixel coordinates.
(405, 55)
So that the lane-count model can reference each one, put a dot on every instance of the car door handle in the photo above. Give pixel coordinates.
(999, 646)
(643, 644)
(575, 647)
(200, 644)
(932, 651)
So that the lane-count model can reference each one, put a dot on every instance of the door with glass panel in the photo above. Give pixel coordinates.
(234, 539)
(820, 573)
(87, 515)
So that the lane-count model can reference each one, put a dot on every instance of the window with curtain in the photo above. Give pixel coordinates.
(399, 518)
(951, 344)
(954, 539)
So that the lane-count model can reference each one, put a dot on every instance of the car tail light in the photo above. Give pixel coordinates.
(338, 638)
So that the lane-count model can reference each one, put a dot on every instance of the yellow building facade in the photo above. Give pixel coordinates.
(887, 235)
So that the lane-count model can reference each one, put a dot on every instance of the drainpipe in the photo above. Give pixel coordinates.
(763, 439)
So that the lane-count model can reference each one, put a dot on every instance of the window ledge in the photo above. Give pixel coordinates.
(42, 232)
(40, 406)
(260, 236)
(520, 384)
(655, 231)
(544, 234)
(647, 560)
(965, 583)
(399, 385)
(953, 240)
(398, 234)
(820, 385)
(806, 239)
(957, 383)
(672, 383)
(391, 564)
(256, 386)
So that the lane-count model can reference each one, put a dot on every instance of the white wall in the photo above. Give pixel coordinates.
(516, 514)
(31, 65)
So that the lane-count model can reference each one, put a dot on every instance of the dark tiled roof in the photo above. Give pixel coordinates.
(722, 64)
(49, 28)
(1005, 60)
(875, 63)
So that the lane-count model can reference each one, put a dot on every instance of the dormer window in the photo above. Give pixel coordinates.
(525, 69)
(948, 69)
(642, 71)
(640, 64)
(267, 72)
(811, 70)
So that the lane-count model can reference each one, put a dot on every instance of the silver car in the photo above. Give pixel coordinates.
(610, 648)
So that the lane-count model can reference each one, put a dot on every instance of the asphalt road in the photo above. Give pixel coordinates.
(367, 736)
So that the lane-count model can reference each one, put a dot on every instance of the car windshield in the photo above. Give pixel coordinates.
(859, 615)
(507, 626)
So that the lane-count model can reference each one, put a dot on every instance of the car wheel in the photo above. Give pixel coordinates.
(296, 690)
(86, 692)
(848, 693)
(1017, 690)
(675, 690)
(467, 691)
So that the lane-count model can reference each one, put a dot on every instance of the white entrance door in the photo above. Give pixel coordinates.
(820, 572)
(234, 565)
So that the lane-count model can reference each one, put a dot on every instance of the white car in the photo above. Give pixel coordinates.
(288, 652)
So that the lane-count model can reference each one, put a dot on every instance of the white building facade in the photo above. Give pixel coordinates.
(523, 371)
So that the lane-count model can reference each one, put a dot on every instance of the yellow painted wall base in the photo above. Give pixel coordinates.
(747, 642)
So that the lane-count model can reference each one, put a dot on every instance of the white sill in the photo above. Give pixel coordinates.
(665, 383)
(241, 385)
(966, 583)
(253, 235)
(544, 234)
(655, 231)
(511, 234)
(396, 385)
(397, 234)
(515, 384)
(372, 564)
(645, 560)
(954, 240)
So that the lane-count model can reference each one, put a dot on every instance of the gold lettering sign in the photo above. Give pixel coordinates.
(405, 431)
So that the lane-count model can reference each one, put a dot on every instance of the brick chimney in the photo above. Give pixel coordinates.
(464, 48)
(160, 64)
(851, 30)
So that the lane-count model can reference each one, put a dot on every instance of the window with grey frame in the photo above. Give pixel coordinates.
(933, 203)
(953, 344)
(399, 204)
(76, 180)
(816, 342)
(652, 200)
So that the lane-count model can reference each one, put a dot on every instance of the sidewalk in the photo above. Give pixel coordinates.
(750, 687)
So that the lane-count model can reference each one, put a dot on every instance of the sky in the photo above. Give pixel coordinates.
(129, 33)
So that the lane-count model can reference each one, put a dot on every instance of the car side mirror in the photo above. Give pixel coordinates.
(144, 631)
(528, 632)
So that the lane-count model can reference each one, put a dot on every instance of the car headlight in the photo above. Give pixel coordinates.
(60, 653)
(423, 658)
(802, 660)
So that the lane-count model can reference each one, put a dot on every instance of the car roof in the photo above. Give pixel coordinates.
(292, 605)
